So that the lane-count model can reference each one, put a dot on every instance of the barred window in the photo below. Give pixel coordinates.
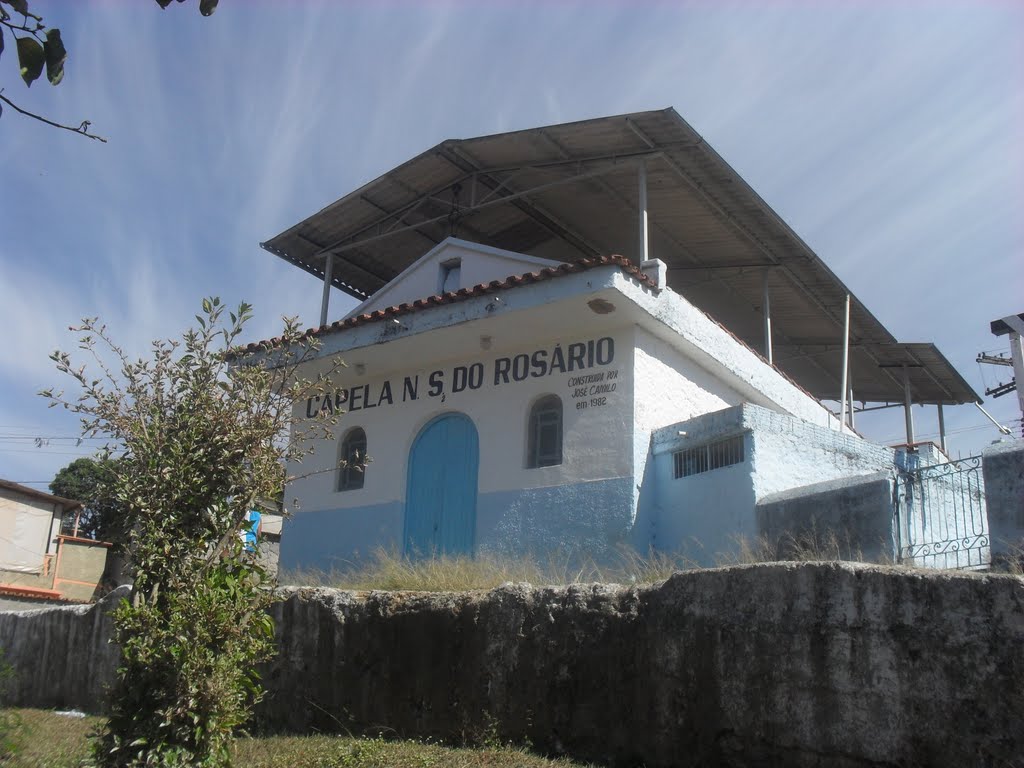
(353, 454)
(544, 440)
(704, 458)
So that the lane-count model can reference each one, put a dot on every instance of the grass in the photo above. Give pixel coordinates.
(47, 740)
(388, 570)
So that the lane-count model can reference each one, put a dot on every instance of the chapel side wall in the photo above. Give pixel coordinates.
(701, 517)
(670, 388)
(709, 516)
(518, 509)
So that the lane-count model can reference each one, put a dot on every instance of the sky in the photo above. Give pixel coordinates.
(887, 134)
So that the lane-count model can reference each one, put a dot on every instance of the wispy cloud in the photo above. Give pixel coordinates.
(886, 134)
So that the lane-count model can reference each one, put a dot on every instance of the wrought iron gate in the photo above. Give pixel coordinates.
(941, 516)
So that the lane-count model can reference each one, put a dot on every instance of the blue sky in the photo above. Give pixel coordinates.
(888, 135)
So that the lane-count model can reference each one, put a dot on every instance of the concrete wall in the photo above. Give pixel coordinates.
(703, 515)
(789, 453)
(1003, 467)
(519, 509)
(853, 514)
(61, 657)
(778, 664)
(79, 567)
(669, 388)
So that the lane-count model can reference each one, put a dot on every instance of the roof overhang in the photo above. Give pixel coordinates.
(571, 191)
(32, 493)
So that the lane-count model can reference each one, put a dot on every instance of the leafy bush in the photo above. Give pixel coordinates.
(201, 442)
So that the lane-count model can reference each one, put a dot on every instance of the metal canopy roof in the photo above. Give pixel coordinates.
(569, 191)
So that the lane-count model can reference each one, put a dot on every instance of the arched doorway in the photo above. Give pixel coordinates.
(440, 500)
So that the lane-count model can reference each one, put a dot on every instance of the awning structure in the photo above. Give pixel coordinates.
(576, 190)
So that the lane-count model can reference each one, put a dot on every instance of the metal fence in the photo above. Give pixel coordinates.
(942, 521)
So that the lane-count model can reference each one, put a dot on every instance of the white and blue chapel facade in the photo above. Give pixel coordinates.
(640, 423)
(521, 391)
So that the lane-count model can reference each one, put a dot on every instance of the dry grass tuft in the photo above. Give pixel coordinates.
(807, 546)
(388, 570)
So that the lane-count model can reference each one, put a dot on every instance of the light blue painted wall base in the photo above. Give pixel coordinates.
(337, 538)
(568, 522)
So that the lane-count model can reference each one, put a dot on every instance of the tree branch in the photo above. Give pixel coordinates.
(82, 129)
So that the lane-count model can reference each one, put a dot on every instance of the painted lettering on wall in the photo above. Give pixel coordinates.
(572, 358)
(592, 390)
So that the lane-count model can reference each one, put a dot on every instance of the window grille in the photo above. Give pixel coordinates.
(544, 440)
(353, 454)
(704, 458)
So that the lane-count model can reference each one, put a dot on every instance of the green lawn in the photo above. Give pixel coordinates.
(47, 740)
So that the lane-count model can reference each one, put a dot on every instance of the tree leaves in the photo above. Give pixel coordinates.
(206, 7)
(31, 59)
(21, 6)
(56, 55)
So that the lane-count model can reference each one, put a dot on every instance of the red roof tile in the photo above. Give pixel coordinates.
(482, 289)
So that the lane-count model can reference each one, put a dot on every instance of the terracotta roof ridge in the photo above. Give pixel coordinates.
(480, 289)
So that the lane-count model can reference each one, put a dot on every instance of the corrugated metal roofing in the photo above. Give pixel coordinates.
(569, 191)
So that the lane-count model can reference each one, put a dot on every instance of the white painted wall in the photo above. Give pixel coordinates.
(479, 264)
(597, 438)
(27, 529)
(670, 387)
(704, 341)
(790, 453)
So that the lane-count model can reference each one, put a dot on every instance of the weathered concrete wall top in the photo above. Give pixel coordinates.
(814, 664)
(1003, 467)
(807, 665)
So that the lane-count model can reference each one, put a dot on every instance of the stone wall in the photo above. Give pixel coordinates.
(61, 657)
(815, 664)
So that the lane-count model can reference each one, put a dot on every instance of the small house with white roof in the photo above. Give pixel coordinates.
(519, 389)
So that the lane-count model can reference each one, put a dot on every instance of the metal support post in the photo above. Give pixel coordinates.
(328, 275)
(942, 431)
(643, 253)
(846, 361)
(850, 401)
(907, 403)
(766, 310)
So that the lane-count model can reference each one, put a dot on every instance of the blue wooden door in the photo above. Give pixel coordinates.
(440, 499)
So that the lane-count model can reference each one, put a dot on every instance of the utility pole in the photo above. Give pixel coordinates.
(1012, 326)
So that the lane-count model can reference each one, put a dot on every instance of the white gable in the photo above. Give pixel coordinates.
(464, 264)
